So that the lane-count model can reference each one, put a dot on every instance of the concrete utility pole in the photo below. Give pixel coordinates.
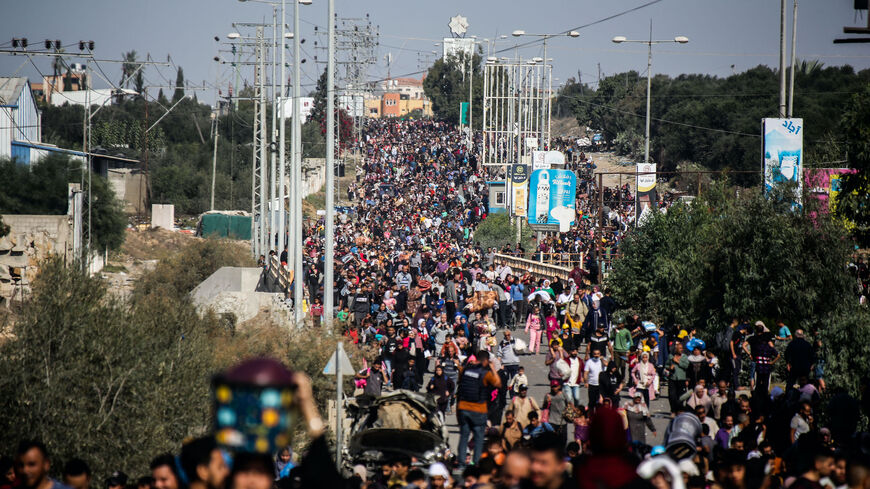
(273, 136)
(329, 231)
(793, 47)
(298, 267)
(782, 28)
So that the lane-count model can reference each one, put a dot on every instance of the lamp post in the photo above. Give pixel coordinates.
(546, 98)
(649, 43)
(296, 187)
(292, 218)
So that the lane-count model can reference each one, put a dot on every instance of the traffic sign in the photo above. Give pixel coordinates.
(346, 366)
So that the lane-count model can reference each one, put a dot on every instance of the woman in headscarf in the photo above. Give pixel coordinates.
(644, 375)
(639, 419)
(699, 397)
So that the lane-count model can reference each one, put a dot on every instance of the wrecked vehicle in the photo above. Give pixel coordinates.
(398, 423)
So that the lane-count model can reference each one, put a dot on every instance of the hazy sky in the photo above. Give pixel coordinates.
(724, 34)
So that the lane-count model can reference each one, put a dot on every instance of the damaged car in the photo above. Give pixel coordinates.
(397, 423)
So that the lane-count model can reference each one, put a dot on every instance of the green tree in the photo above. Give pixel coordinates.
(128, 67)
(179, 86)
(89, 375)
(42, 187)
(446, 85)
(725, 257)
(853, 201)
(108, 222)
(496, 231)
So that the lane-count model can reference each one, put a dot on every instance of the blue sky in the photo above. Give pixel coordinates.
(738, 33)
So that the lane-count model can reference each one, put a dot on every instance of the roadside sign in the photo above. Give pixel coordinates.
(346, 366)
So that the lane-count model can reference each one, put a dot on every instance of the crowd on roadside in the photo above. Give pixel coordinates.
(435, 312)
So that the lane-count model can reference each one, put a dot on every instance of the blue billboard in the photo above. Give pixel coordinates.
(552, 197)
(782, 154)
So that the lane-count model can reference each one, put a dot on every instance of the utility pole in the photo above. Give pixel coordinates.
(298, 267)
(793, 47)
(214, 161)
(280, 105)
(782, 27)
(274, 182)
(329, 231)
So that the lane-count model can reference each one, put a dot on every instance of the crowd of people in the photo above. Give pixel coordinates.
(435, 312)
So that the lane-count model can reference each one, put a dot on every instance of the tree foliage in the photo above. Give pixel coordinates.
(42, 188)
(714, 121)
(446, 85)
(496, 231)
(179, 86)
(853, 201)
(89, 375)
(725, 257)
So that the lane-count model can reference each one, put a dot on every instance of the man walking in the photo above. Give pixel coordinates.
(591, 373)
(476, 381)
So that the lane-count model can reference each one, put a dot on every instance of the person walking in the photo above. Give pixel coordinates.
(556, 402)
(591, 373)
(508, 355)
(639, 419)
(476, 381)
(534, 328)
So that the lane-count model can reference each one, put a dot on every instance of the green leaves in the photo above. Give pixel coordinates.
(727, 257)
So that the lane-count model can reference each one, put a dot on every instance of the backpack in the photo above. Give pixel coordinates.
(471, 388)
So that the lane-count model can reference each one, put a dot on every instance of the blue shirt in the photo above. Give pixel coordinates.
(538, 430)
(517, 292)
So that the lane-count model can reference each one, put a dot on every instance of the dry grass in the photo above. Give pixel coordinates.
(153, 244)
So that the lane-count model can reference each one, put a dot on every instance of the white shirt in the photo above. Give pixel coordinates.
(574, 378)
(593, 368)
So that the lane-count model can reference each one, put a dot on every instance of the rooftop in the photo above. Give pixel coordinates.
(10, 89)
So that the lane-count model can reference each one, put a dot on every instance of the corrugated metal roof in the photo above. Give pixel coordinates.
(10, 89)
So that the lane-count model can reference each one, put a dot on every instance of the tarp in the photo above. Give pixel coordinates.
(216, 225)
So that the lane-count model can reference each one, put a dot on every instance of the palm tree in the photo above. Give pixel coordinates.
(57, 66)
(128, 67)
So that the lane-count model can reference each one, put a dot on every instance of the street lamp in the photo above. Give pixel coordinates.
(544, 59)
(234, 35)
(649, 43)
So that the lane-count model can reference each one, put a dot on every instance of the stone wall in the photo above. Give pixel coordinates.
(31, 238)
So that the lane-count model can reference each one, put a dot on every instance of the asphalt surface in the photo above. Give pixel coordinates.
(539, 387)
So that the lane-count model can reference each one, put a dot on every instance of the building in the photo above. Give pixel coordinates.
(20, 118)
(398, 97)
(306, 105)
(74, 80)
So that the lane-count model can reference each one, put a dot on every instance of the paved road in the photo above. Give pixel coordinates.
(539, 386)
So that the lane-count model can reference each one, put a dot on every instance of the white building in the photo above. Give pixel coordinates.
(305, 108)
(20, 119)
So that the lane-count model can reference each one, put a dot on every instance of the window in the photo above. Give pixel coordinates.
(499, 198)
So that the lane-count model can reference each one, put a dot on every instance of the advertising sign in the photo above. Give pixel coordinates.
(519, 179)
(782, 153)
(646, 187)
(544, 160)
(552, 198)
(463, 112)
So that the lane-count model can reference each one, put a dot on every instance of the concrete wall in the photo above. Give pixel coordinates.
(31, 238)
(313, 175)
(233, 290)
(163, 216)
(129, 187)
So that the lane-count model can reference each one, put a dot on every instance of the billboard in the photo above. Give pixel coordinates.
(519, 179)
(782, 153)
(454, 46)
(646, 188)
(544, 160)
(552, 198)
